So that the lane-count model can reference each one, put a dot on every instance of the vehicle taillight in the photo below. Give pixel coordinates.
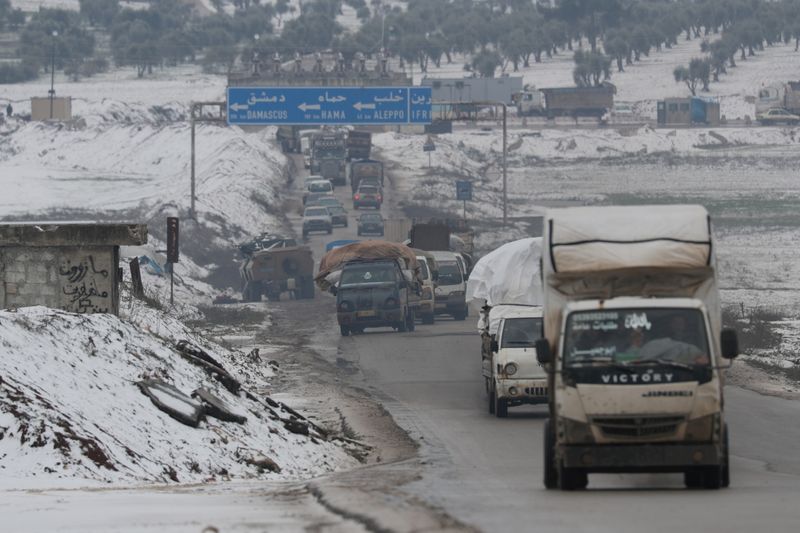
(357, 197)
(379, 198)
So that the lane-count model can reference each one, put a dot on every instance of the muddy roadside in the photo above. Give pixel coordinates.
(314, 377)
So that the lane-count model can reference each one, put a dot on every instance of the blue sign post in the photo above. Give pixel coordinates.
(464, 192)
(328, 105)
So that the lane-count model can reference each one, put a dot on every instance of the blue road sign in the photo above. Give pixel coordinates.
(329, 105)
(463, 190)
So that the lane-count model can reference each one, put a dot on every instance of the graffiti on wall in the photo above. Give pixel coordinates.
(85, 284)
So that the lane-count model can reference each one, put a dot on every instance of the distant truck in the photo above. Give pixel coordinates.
(272, 272)
(633, 345)
(566, 101)
(779, 96)
(289, 138)
(430, 237)
(359, 145)
(329, 156)
(365, 169)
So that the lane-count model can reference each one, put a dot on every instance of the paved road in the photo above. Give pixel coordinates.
(487, 472)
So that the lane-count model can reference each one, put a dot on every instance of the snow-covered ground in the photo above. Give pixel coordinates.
(72, 412)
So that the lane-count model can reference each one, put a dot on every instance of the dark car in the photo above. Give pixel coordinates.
(338, 215)
(367, 196)
(373, 293)
(370, 224)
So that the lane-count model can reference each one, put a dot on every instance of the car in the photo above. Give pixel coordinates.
(317, 218)
(370, 224)
(313, 197)
(777, 116)
(338, 215)
(426, 308)
(319, 186)
(327, 201)
(367, 195)
(450, 293)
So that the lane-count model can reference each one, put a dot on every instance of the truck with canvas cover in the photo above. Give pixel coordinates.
(367, 169)
(566, 101)
(329, 156)
(274, 271)
(359, 144)
(633, 344)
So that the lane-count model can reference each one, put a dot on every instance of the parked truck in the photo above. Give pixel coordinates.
(329, 156)
(779, 96)
(359, 145)
(274, 271)
(633, 345)
(566, 101)
(289, 138)
(369, 169)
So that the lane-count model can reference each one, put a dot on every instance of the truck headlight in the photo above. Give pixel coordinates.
(510, 369)
(701, 429)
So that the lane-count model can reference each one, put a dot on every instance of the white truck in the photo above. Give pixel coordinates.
(633, 345)
(511, 370)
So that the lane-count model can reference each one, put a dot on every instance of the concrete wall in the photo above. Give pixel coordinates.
(73, 267)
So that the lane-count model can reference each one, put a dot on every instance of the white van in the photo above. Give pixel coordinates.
(512, 372)
(451, 292)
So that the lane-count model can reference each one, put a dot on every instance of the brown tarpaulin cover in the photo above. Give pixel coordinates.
(372, 249)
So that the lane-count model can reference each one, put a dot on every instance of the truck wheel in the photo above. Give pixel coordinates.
(308, 290)
(726, 470)
(344, 330)
(274, 296)
(712, 477)
(693, 479)
(402, 326)
(572, 478)
(500, 406)
(410, 321)
(490, 395)
(550, 472)
(428, 319)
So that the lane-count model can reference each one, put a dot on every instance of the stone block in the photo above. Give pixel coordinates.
(37, 276)
(11, 288)
(15, 277)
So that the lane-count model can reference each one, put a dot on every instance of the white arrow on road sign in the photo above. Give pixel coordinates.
(360, 106)
(239, 107)
(305, 107)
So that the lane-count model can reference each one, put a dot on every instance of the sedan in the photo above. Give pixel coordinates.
(370, 224)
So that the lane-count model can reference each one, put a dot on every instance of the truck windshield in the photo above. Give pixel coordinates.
(423, 269)
(521, 332)
(637, 336)
(329, 151)
(368, 274)
(450, 273)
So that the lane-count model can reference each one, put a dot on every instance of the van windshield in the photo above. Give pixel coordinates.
(637, 336)
(368, 274)
(521, 332)
(450, 273)
(423, 269)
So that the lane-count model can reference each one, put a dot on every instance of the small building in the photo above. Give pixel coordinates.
(69, 266)
(468, 90)
(688, 111)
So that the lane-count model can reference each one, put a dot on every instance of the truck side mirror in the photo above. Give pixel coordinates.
(543, 354)
(729, 342)
(494, 346)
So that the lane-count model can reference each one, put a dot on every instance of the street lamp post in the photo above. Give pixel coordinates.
(52, 91)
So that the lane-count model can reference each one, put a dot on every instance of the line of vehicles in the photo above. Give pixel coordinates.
(625, 345)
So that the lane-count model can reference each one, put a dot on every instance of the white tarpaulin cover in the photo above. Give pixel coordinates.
(592, 239)
(637, 251)
(500, 312)
(508, 275)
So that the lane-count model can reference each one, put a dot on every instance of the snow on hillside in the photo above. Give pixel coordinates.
(71, 412)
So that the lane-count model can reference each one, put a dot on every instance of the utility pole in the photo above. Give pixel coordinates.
(52, 91)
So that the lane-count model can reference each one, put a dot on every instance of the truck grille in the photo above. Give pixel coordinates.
(536, 391)
(635, 426)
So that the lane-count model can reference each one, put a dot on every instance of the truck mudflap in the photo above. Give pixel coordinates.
(641, 457)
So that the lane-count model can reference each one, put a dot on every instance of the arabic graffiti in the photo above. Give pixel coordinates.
(85, 284)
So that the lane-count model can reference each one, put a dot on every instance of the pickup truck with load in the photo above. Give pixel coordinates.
(566, 101)
(633, 345)
(274, 271)
(359, 144)
(328, 157)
